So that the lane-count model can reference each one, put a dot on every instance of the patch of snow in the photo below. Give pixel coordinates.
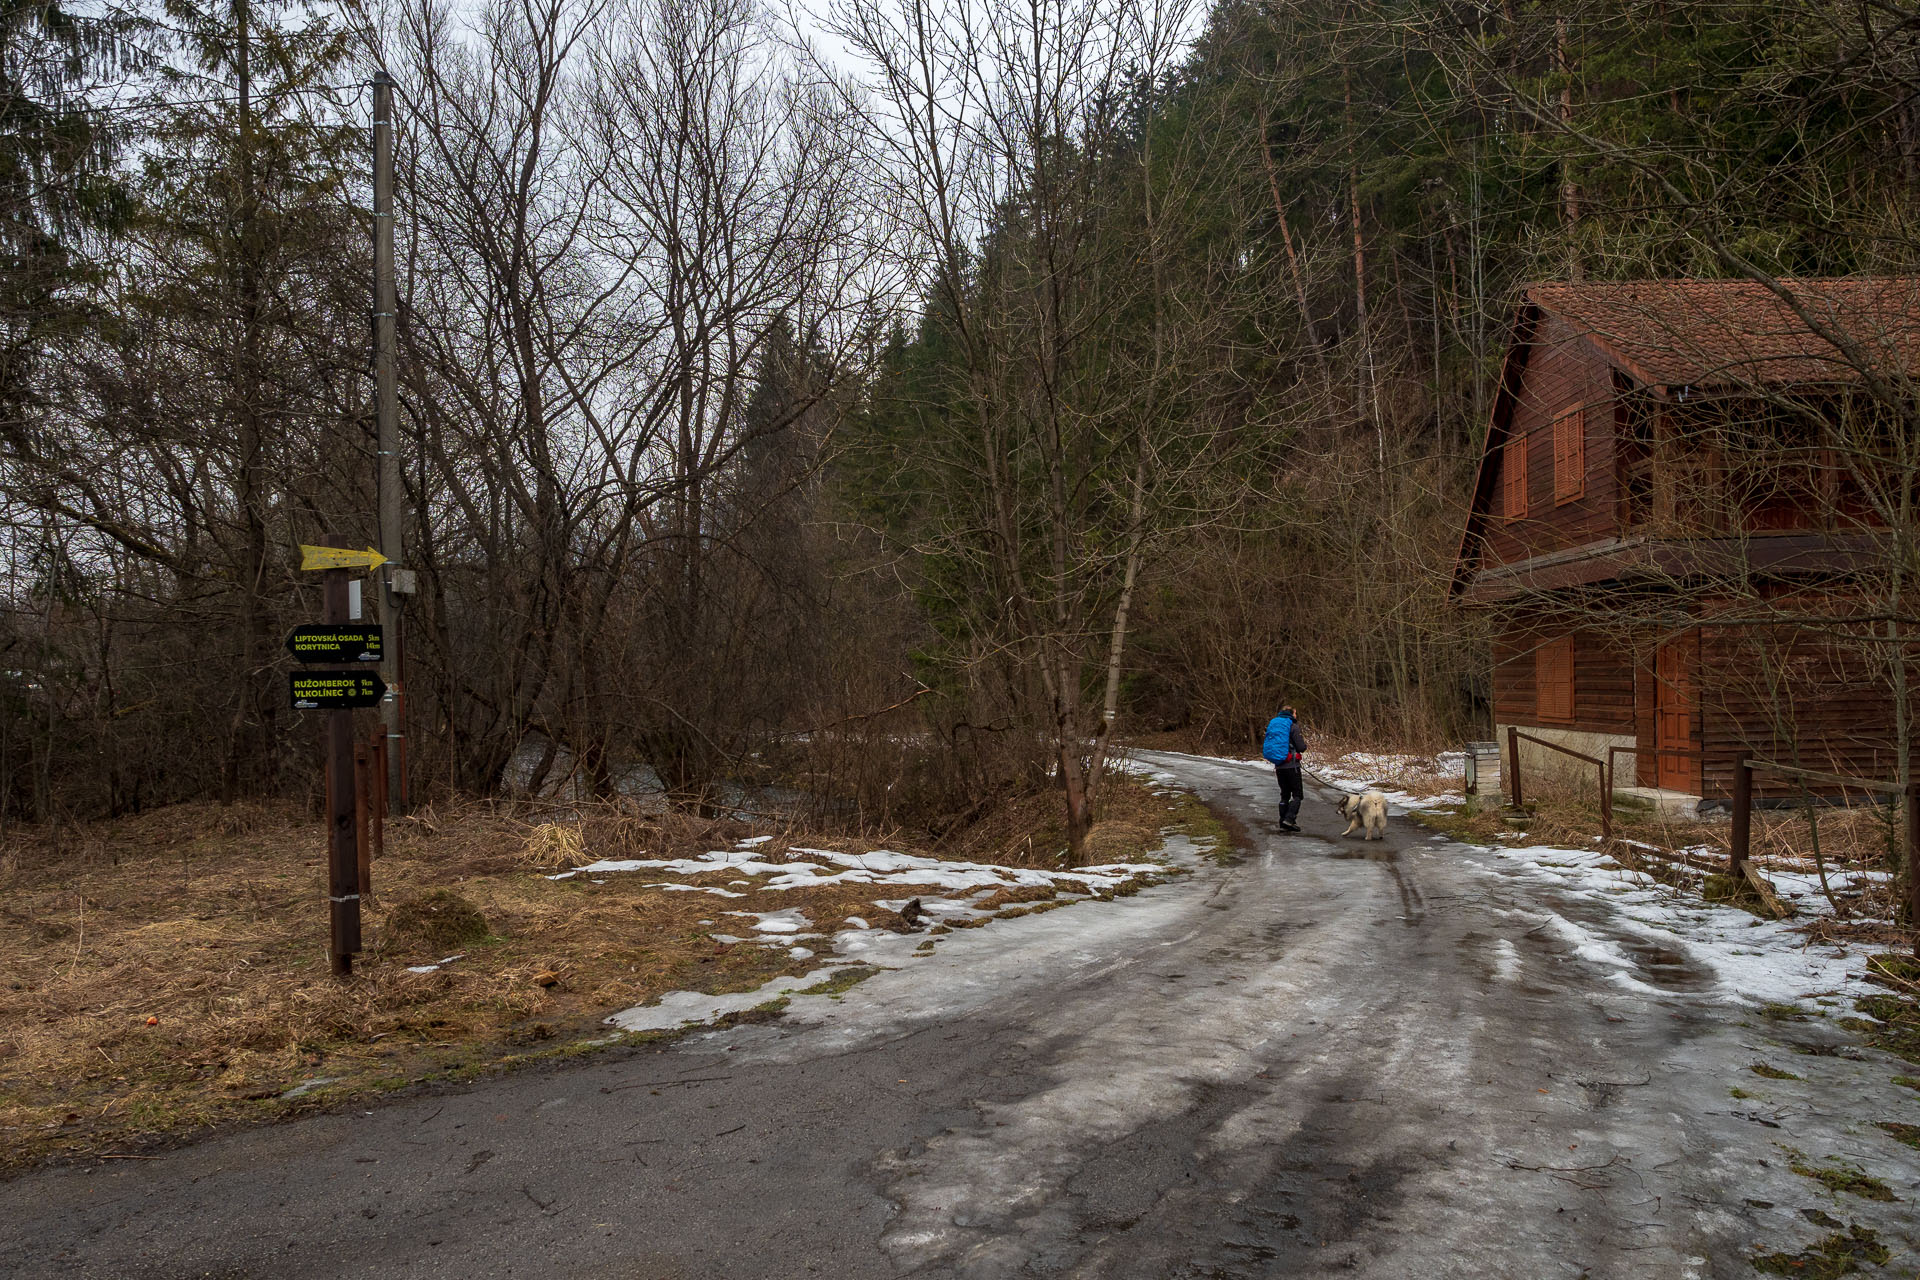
(1750, 960)
(677, 1008)
(880, 867)
(693, 888)
(858, 923)
(791, 920)
(308, 1086)
(1506, 960)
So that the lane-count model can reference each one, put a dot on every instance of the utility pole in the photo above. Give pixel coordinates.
(386, 397)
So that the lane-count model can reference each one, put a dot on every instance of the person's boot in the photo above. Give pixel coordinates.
(1288, 812)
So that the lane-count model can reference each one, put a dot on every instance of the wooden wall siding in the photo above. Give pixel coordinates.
(1765, 689)
(1553, 681)
(1513, 676)
(1603, 690)
(1562, 371)
(1645, 769)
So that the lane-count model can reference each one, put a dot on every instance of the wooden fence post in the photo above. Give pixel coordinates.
(1513, 756)
(1742, 816)
(1913, 863)
(1606, 805)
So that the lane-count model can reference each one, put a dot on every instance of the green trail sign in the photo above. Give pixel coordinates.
(335, 690)
(335, 644)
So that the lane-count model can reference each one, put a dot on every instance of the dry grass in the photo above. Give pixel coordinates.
(1030, 830)
(169, 970)
(1400, 769)
(555, 845)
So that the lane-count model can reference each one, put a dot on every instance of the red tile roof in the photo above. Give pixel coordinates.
(1731, 332)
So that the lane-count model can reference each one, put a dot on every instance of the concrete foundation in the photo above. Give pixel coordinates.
(1667, 804)
(1543, 764)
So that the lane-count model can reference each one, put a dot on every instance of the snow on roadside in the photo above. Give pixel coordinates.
(1608, 913)
(677, 1008)
(947, 892)
(881, 867)
(1359, 771)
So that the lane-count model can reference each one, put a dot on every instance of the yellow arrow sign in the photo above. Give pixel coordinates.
(339, 558)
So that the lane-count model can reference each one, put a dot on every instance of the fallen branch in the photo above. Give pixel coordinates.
(1768, 899)
(1878, 972)
(1557, 1171)
(655, 1084)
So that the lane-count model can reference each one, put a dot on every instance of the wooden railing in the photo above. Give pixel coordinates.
(1515, 738)
(1743, 821)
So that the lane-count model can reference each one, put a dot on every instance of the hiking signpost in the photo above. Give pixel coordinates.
(335, 645)
(339, 558)
(336, 683)
(336, 690)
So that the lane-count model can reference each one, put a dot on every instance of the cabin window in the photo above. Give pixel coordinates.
(1553, 681)
(1570, 455)
(1513, 470)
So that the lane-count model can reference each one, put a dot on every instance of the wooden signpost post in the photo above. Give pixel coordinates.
(337, 689)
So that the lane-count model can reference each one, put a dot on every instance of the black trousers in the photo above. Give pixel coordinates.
(1290, 791)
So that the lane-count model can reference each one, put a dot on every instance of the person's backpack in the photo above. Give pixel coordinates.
(1278, 746)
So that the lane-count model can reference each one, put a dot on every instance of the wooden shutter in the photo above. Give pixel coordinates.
(1570, 455)
(1553, 681)
(1513, 472)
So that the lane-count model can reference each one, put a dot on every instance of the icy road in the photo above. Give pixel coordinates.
(1402, 1059)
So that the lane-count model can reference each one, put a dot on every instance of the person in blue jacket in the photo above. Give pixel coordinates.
(1283, 745)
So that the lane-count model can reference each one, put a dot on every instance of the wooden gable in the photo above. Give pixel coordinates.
(1545, 481)
(1599, 463)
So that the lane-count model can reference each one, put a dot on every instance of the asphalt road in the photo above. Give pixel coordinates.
(1333, 1058)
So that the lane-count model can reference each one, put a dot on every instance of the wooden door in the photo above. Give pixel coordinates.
(1673, 715)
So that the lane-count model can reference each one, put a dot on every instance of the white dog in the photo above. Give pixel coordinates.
(1369, 810)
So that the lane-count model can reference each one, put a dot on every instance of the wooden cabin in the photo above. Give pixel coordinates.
(1693, 524)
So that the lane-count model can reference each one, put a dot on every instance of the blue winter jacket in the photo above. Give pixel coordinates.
(1283, 744)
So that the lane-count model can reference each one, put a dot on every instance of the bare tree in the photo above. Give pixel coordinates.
(618, 206)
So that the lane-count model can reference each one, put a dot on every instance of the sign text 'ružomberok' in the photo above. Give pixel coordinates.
(334, 643)
(335, 690)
